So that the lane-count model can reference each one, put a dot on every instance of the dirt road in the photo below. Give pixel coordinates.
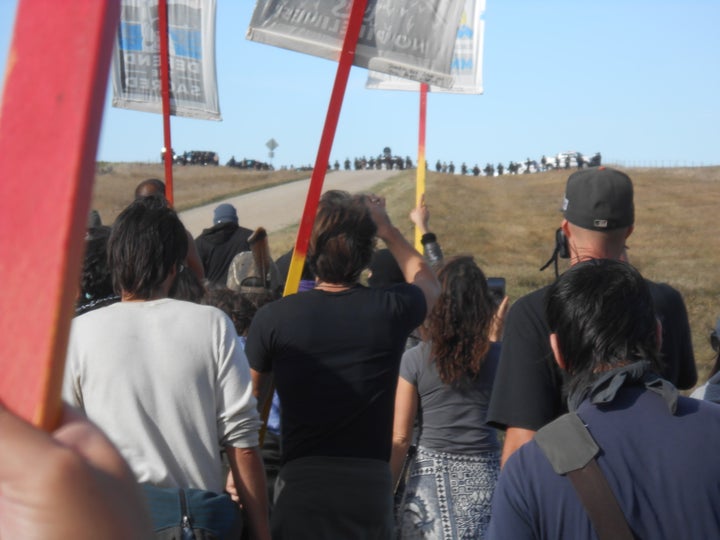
(278, 207)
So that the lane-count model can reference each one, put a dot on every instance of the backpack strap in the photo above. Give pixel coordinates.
(571, 450)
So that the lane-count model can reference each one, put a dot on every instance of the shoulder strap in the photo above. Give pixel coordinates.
(600, 502)
(571, 450)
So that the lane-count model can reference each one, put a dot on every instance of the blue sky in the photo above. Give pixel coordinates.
(637, 80)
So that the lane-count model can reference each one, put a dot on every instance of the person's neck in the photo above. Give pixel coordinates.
(580, 254)
(129, 297)
(161, 291)
(333, 287)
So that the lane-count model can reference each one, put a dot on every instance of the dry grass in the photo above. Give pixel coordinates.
(192, 185)
(508, 223)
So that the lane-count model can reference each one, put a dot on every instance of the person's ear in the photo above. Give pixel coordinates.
(565, 228)
(629, 231)
(557, 353)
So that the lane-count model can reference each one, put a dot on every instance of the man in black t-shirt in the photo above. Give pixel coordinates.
(334, 353)
(527, 393)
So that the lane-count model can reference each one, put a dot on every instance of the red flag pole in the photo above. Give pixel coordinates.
(347, 54)
(420, 173)
(165, 93)
(48, 142)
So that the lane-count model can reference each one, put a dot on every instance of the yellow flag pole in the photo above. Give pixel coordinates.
(420, 175)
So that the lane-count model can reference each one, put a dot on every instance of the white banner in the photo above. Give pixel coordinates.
(136, 62)
(413, 39)
(466, 62)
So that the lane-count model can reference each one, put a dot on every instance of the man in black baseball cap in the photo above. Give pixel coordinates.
(599, 216)
(599, 199)
(599, 213)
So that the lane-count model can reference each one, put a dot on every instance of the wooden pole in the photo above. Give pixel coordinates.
(50, 119)
(420, 173)
(165, 94)
(347, 54)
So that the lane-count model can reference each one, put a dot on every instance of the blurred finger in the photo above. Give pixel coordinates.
(81, 435)
(20, 444)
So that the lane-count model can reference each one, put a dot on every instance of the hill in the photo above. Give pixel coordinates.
(193, 184)
(507, 222)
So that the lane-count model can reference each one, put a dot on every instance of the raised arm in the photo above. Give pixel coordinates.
(413, 266)
(420, 216)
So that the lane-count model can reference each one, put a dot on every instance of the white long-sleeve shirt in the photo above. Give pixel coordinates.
(168, 383)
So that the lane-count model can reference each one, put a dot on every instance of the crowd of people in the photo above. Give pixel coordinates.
(545, 163)
(369, 404)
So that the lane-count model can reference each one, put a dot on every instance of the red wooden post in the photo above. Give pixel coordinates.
(163, 29)
(347, 54)
(50, 119)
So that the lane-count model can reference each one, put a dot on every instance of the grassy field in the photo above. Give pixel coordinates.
(193, 185)
(506, 222)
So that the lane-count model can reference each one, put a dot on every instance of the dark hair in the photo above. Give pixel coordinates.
(259, 296)
(343, 238)
(240, 310)
(150, 187)
(603, 314)
(186, 286)
(147, 241)
(96, 281)
(459, 323)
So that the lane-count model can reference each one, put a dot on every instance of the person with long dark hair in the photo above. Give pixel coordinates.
(334, 352)
(166, 379)
(450, 482)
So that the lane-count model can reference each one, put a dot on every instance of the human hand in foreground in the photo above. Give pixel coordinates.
(498, 322)
(71, 483)
(420, 216)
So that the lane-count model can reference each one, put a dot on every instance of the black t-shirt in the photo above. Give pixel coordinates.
(528, 385)
(335, 358)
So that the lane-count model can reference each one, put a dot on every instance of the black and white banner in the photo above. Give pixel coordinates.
(466, 67)
(413, 39)
(136, 63)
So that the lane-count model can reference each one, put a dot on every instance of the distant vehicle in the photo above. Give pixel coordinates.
(526, 167)
(567, 159)
(197, 157)
(249, 164)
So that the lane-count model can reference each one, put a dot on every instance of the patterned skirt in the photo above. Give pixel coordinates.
(448, 496)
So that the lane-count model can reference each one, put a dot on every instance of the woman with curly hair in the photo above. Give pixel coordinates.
(448, 377)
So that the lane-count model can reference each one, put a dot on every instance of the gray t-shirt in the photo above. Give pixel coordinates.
(453, 418)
